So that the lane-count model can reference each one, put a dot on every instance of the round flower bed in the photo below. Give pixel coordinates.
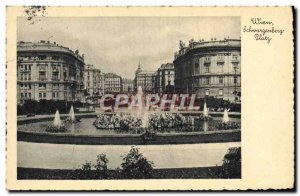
(228, 125)
(124, 122)
(54, 129)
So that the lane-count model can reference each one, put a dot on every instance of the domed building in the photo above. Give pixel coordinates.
(209, 68)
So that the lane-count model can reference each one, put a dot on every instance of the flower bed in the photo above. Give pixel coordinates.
(52, 129)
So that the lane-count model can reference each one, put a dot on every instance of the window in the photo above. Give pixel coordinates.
(40, 95)
(42, 67)
(196, 66)
(221, 92)
(206, 68)
(235, 57)
(56, 58)
(22, 95)
(42, 76)
(42, 86)
(55, 76)
(44, 95)
(53, 95)
(220, 67)
(235, 67)
(206, 80)
(29, 95)
(220, 57)
(221, 79)
(65, 75)
(235, 80)
(55, 86)
(42, 57)
(207, 59)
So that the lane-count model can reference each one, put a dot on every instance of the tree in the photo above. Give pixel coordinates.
(101, 166)
(136, 166)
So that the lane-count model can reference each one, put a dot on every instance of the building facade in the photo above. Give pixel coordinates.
(49, 71)
(143, 79)
(94, 81)
(128, 86)
(209, 68)
(164, 79)
(113, 83)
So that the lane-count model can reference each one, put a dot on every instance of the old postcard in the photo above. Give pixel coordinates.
(150, 98)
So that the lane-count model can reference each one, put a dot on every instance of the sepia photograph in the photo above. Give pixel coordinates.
(149, 98)
(128, 97)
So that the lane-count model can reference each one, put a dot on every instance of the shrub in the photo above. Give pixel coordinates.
(136, 166)
(101, 166)
(46, 106)
(149, 135)
(85, 172)
(231, 167)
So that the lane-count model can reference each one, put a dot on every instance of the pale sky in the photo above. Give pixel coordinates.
(117, 44)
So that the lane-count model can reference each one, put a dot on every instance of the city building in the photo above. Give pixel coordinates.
(209, 68)
(94, 81)
(113, 83)
(163, 81)
(49, 71)
(155, 82)
(102, 83)
(143, 79)
(128, 86)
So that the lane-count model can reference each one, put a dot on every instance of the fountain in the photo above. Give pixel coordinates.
(225, 117)
(205, 110)
(226, 124)
(57, 121)
(72, 114)
(71, 118)
(204, 116)
(56, 126)
(142, 113)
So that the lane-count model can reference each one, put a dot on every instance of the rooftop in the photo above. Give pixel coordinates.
(206, 44)
(112, 75)
(47, 46)
(167, 66)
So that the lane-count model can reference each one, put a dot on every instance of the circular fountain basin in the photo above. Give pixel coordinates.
(85, 132)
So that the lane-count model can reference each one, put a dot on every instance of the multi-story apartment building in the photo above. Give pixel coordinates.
(49, 71)
(209, 68)
(113, 83)
(128, 86)
(143, 79)
(163, 81)
(94, 81)
(102, 84)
